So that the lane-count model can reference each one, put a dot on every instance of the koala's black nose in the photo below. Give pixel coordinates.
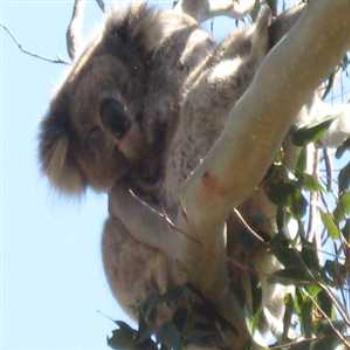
(114, 116)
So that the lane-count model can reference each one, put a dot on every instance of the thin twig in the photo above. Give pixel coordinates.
(29, 53)
(341, 289)
(313, 201)
(248, 227)
(164, 217)
(173, 226)
(335, 330)
(336, 303)
(328, 167)
(101, 5)
(295, 342)
(328, 291)
(73, 30)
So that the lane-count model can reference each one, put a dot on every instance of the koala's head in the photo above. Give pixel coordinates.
(91, 134)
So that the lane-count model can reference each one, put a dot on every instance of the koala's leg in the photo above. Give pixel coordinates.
(134, 270)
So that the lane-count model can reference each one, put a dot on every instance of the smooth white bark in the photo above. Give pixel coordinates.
(261, 118)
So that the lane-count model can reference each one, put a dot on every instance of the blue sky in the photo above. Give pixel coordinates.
(51, 278)
(52, 284)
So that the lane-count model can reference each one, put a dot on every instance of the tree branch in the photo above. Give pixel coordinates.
(29, 53)
(263, 115)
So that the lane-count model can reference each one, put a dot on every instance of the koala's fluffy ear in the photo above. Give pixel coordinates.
(56, 149)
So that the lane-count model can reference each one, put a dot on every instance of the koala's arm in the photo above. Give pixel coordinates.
(147, 225)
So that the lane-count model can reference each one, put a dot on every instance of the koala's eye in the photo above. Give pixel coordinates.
(114, 117)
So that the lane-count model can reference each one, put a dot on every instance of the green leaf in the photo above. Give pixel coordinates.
(301, 162)
(289, 257)
(310, 183)
(309, 255)
(342, 209)
(330, 225)
(306, 318)
(324, 328)
(280, 193)
(169, 335)
(313, 290)
(123, 338)
(325, 303)
(342, 148)
(344, 178)
(287, 317)
(336, 272)
(346, 229)
(298, 204)
(292, 276)
(311, 133)
(327, 343)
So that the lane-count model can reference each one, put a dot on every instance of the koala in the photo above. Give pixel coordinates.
(107, 121)
(141, 107)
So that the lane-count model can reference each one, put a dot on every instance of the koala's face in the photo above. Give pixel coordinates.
(92, 134)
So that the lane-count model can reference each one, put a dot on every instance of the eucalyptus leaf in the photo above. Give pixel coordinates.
(287, 317)
(292, 276)
(330, 225)
(346, 229)
(306, 318)
(123, 338)
(298, 204)
(342, 210)
(311, 133)
(344, 178)
(169, 335)
(301, 162)
(325, 303)
(327, 343)
(345, 146)
(310, 257)
(310, 183)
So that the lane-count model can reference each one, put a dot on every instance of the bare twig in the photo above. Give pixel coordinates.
(101, 5)
(29, 53)
(295, 342)
(328, 167)
(73, 30)
(248, 227)
(335, 330)
(336, 303)
(164, 216)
